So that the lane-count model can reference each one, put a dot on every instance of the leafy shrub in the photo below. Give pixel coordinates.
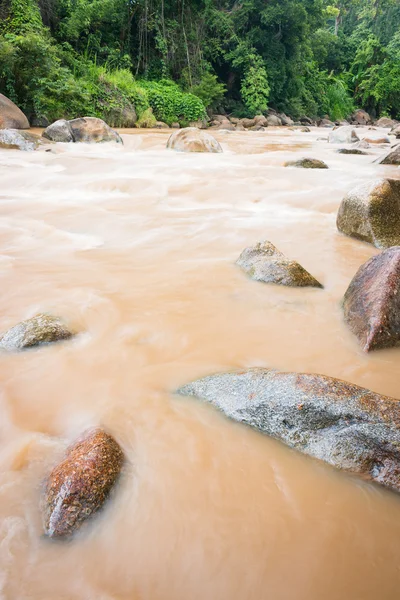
(147, 119)
(170, 104)
(209, 90)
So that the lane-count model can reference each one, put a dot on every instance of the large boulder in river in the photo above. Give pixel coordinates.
(81, 483)
(371, 213)
(372, 301)
(39, 330)
(307, 163)
(11, 117)
(342, 424)
(86, 129)
(396, 131)
(391, 158)
(191, 139)
(263, 262)
(14, 139)
(274, 121)
(361, 117)
(343, 135)
(385, 122)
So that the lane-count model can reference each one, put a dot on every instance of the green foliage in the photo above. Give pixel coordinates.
(170, 104)
(209, 90)
(255, 89)
(147, 119)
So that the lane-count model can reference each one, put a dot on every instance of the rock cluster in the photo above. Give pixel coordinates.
(264, 262)
(78, 487)
(342, 424)
(86, 129)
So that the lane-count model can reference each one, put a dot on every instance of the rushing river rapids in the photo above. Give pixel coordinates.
(135, 246)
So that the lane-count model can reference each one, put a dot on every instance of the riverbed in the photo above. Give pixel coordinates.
(135, 247)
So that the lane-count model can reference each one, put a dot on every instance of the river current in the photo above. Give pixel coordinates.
(135, 247)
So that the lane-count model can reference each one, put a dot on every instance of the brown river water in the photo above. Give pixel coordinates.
(135, 247)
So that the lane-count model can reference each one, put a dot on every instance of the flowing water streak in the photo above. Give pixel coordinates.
(136, 246)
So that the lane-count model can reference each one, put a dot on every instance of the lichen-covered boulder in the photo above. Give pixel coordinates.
(264, 262)
(371, 303)
(371, 213)
(391, 158)
(86, 129)
(347, 426)
(15, 139)
(352, 151)
(343, 135)
(191, 139)
(39, 330)
(78, 487)
(307, 163)
(11, 117)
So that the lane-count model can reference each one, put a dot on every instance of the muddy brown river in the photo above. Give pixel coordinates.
(135, 246)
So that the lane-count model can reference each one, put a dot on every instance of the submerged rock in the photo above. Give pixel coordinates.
(307, 163)
(372, 302)
(41, 329)
(352, 151)
(14, 139)
(391, 158)
(343, 135)
(342, 424)
(11, 117)
(81, 483)
(86, 129)
(376, 139)
(371, 213)
(264, 262)
(191, 139)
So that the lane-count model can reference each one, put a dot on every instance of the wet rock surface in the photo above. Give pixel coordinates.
(347, 426)
(263, 262)
(191, 139)
(371, 213)
(11, 117)
(88, 130)
(356, 151)
(39, 330)
(14, 139)
(391, 158)
(307, 163)
(78, 487)
(371, 304)
(343, 135)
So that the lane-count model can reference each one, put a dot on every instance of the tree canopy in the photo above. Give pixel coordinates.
(177, 57)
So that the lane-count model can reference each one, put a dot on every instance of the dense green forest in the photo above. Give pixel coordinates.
(172, 59)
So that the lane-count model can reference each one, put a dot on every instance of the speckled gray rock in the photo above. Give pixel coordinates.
(191, 139)
(14, 139)
(41, 329)
(59, 131)
(307, 163)
(371, 303)
(264, 262)
(390, 158)
(88, 130)
(78, 487)
(342, 424)
(343, 135)
(371, 213)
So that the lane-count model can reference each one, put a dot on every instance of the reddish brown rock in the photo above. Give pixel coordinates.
(361, 117)
(11, 117)
(372, 302)
(80, 484)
